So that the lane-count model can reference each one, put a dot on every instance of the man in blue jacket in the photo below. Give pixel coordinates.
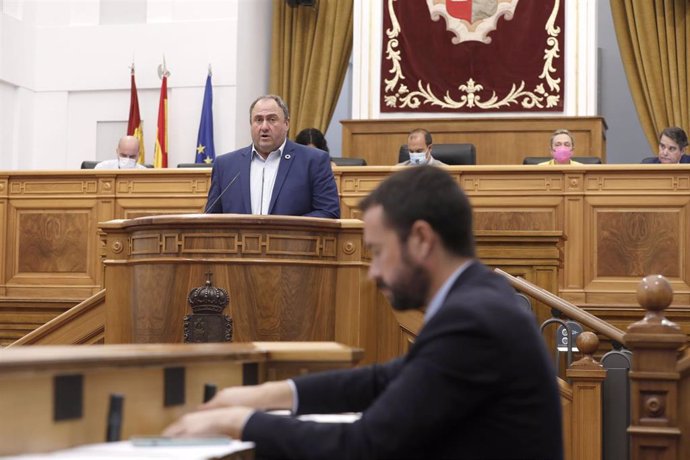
(673, 143)
(273, 175)
(477, 382)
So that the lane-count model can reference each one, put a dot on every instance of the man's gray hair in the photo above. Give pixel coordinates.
(281, 103)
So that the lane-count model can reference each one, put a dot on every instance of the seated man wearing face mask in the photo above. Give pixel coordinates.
(419, 145)
(562, 146)
(127, 154)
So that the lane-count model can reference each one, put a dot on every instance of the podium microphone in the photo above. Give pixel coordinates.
(208, 208)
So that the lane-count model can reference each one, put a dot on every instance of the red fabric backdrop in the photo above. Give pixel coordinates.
(519, 70)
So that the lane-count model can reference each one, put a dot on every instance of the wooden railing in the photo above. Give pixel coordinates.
(568, 309)
(659, 425)
(83, 324)
(659, 377)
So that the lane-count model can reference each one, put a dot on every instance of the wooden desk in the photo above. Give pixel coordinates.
(288, 278)
(619, 222)
(29, 379)
(499, 141)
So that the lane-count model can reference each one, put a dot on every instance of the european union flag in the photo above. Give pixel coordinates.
(205, 151)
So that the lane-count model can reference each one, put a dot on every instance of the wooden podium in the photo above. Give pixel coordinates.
(288, 278)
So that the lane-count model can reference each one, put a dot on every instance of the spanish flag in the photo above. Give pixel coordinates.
(160, 155)
(134, 125)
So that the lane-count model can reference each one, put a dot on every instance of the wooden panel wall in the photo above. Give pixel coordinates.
(49, 242)
(620, 222)
(499, 141)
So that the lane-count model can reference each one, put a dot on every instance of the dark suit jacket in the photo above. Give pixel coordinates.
(655, 159)
(304, 184)
(477, 383)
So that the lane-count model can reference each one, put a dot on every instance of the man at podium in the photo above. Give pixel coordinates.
(477, 382)
(273, 175)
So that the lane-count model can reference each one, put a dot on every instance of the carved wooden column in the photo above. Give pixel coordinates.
(587, 376)
(655, 342)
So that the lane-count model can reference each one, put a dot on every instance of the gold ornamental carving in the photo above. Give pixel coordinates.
(398, 94)
(655, 406)
(117, 247)
(349, 248)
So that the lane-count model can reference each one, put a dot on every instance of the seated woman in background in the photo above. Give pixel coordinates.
(672, 144)
(562, 146)
(313, 138)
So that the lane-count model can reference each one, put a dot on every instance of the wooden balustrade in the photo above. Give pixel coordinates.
(655, 341)
(659, 377)
(586, 379)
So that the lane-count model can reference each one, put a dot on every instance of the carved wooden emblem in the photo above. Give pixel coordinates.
(207, 323)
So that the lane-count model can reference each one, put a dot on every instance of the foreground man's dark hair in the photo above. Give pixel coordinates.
(430, 194)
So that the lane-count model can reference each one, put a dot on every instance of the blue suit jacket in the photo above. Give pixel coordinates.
(655, 159)
(477, 383)
(304, 184)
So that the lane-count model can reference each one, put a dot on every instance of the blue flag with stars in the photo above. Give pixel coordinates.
(205, 150)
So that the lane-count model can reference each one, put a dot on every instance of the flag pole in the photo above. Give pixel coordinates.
(134, 123)
(160, 156)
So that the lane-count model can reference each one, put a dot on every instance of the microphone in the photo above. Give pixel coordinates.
(208, 208)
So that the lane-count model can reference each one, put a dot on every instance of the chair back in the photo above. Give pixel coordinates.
(195, 165)
(450, 154)
(89, 164)
(584, 160)
(341, 161)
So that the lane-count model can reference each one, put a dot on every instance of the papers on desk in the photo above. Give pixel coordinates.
(146, 448)
(332, 418)
(126, 449)
(347, 417)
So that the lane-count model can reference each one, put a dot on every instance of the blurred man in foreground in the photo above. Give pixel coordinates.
(477, 383)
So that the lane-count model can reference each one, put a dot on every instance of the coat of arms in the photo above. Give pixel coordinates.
(471, 20)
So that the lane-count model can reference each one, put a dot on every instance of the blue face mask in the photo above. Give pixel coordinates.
(418, 158)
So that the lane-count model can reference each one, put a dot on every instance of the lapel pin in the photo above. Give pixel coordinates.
(287, 156)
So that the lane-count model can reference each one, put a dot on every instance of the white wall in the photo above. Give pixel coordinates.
(62, 73)
(625, 140)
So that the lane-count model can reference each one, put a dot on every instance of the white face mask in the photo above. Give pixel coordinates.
(126, 163)
(418, 158)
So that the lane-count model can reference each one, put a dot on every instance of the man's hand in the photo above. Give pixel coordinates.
(213, 422)
(229, 410)
(270, 395)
